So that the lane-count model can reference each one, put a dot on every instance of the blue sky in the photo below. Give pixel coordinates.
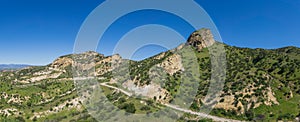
(37, 32)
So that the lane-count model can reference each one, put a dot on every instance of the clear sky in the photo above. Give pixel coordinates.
(38, 31)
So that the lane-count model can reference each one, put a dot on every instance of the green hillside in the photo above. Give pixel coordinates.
(260, 85)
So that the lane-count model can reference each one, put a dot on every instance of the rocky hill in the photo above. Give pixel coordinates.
(260, 84)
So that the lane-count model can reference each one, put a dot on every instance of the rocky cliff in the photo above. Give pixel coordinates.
(201, 39)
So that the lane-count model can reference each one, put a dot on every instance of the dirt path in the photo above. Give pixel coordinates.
(215, 118)
(123, 91)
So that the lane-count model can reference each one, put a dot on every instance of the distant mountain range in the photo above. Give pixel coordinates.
(12, 66)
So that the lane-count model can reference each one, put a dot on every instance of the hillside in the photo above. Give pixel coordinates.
(260, 84)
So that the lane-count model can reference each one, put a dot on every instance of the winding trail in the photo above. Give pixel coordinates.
(125, 92)
(204, 115)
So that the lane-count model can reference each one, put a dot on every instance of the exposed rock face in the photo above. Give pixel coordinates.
(62, 67)
(172, 64)
(201, 39)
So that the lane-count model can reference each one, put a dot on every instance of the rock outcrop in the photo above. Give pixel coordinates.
(201, 39)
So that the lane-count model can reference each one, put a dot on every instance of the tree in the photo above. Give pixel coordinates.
(128, 107)
(249, 115)
(145, 108)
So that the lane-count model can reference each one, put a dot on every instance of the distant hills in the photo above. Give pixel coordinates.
(12, 66)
